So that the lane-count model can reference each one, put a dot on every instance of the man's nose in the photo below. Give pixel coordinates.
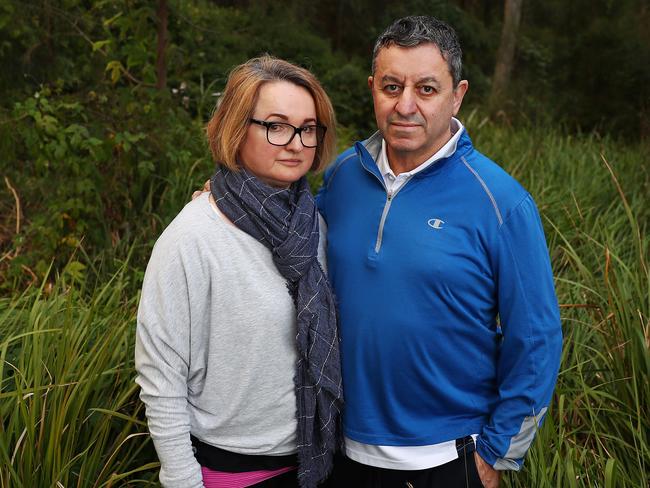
(406, 103)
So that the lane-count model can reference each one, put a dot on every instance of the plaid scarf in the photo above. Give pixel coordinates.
(286, 221)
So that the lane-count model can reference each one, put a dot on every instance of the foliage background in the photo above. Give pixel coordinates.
(96, 160)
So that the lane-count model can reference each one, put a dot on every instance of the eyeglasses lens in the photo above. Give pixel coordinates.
(281, 134)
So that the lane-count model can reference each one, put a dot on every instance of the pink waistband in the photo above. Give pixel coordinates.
(221, 479)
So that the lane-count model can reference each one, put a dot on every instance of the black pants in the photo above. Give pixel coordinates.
(460, 473)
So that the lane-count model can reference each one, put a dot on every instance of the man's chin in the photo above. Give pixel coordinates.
(403, 144)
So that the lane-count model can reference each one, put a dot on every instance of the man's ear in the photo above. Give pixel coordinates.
(370, 78)
(459, 93)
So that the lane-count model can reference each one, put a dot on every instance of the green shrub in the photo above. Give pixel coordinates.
(94, 173)
(69, 409)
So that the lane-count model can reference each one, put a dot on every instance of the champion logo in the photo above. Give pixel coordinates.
(435, 223)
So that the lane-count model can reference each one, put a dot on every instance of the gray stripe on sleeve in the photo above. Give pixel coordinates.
(486, 189)
(520, 443)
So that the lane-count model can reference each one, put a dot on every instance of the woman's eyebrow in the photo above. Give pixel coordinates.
(284, 117)
(281, 116)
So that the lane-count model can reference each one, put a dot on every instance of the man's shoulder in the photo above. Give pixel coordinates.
(346, 156)
(347, 159)
(503, 189)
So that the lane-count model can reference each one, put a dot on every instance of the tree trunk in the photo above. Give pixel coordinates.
(161, 63)
(505, 54)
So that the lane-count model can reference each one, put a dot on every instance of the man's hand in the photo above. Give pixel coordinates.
(490, 477)
(198, 193)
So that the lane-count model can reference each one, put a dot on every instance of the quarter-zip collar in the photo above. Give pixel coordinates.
(447, 149)
(368, 152)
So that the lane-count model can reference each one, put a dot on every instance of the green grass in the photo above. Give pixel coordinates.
(69, 410)
(591, 193)
(69, 407)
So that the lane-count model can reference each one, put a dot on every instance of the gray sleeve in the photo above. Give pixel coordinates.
(162, 355)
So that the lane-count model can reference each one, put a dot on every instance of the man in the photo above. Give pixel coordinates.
(450, 328)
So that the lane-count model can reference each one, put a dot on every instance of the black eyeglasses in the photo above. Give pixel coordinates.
(281, 133)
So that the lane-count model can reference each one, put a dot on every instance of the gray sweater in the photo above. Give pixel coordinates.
(215, 346)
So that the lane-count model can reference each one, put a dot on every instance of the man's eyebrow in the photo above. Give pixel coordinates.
(389, 78)
(429, 80)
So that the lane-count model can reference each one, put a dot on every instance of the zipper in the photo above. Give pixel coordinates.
(384, 214)
(390, 195)
(389, 198)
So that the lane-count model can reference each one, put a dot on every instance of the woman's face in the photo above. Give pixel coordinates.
(279, 101)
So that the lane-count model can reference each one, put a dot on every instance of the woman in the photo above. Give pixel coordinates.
(237, 348)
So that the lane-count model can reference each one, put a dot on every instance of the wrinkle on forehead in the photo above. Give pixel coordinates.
(399, 64)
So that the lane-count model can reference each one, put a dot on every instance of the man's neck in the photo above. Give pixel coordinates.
(405, 161)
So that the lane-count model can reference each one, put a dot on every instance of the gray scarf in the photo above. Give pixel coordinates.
(286, 221)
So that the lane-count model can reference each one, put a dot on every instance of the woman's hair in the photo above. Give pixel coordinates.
(227, 128)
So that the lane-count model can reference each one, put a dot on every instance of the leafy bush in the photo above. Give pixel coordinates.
(93, 172)
(69, 409)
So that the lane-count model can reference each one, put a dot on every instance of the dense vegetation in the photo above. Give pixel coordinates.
(96, 159)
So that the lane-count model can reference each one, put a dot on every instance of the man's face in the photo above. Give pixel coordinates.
(414, 100)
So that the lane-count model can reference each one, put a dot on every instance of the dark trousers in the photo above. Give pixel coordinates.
(460, 473)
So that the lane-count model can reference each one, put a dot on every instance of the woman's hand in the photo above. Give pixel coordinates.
(198, 193)
(490, 477)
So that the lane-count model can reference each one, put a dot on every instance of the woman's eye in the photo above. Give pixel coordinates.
(276, 127)
(308, 129)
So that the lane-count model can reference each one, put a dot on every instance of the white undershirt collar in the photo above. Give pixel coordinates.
(393, 183)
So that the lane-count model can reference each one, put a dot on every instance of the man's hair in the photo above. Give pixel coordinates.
(228, 126)
(421, 29)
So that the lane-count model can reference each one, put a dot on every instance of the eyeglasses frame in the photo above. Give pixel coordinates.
(296, 130)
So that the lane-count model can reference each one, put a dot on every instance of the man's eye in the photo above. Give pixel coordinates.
(391, 88)
(427, 90)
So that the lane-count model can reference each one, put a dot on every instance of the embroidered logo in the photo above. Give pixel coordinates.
(435, 223)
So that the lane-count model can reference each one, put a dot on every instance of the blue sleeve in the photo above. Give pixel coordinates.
(531, 347)
(321, 195)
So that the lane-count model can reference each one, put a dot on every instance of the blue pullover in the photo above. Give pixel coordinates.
(449, 320)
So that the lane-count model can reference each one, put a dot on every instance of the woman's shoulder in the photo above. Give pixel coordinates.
(196, 221)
